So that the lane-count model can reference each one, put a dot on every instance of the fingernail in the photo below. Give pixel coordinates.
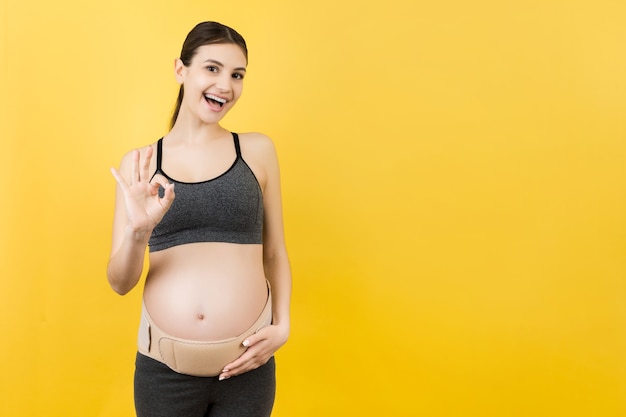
(246, 343)
(221, 378)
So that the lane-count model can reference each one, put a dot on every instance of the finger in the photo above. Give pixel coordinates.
(232, 369)
(251, 359)
(250, 340)
(168, 196)
(257, 337)
(119, 179)
(134, 177)
(245, 363)
(159, 181)
(235, 366)
(146, 164)
(156, 182)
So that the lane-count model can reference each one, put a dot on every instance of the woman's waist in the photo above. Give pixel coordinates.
(207, 253)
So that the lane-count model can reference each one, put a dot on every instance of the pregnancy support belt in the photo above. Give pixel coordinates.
(193, 357)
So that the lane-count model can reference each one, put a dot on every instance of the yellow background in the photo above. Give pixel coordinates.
(454, 191)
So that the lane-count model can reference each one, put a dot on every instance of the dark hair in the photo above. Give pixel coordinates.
(205, 33)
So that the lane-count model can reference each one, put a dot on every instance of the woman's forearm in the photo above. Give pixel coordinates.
(126, 264)
(278, 273)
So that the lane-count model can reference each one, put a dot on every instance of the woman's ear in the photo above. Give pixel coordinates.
(179, 70)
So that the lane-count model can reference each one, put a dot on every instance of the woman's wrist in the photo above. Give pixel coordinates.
(284, 329)
(139, 235)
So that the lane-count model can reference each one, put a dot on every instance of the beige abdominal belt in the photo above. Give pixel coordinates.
(192, 357)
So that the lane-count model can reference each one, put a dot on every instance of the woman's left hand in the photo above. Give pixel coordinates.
(261, 347)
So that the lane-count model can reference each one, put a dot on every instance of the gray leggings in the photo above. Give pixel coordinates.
(161, 392)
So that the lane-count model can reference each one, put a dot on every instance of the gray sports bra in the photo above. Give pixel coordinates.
(228, 208)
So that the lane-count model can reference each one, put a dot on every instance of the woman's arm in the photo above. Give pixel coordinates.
(138, 209)
(263, 344)
(275, 258)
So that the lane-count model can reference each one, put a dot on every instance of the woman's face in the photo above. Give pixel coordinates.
(213, 82)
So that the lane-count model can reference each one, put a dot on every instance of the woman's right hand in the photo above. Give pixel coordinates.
(144, 207)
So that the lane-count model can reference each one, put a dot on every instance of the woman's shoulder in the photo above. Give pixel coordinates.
(255, 139)
(257, 144)
(142, 149)
(258, 152)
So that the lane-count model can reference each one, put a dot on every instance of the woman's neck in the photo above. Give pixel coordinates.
(195, 131)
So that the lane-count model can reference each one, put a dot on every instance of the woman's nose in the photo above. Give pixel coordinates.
(223, 84)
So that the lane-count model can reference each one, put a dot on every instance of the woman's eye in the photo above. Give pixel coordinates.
(212, 68)
(238, 76)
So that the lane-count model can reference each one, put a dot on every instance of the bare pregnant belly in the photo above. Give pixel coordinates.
(206, 291)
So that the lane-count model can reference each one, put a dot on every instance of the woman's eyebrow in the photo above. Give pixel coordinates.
(218, 63)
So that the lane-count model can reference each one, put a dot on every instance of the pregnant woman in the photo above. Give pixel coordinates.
(206, 202)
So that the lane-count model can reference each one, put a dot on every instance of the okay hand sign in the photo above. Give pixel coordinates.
(144, 207)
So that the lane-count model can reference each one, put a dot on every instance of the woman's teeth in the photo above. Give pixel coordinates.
(216, 99)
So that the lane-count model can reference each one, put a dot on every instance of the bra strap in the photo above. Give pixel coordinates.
(237, 147)
(158, 158)
(158, 155)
